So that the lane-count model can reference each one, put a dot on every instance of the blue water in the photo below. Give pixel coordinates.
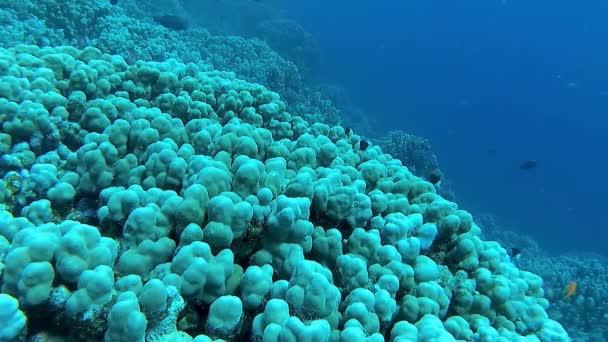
(491, 84)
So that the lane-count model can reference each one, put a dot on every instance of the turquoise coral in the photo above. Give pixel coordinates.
(207, 192)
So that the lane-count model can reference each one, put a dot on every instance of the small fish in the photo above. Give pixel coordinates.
(173, 22)
(570, 290)
(113, 2)
(515, 252)
(528, 164)
(347, 130)
(363, 145)
(131, 56)
(435, 177)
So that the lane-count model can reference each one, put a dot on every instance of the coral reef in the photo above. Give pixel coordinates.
(415, 152)
(142, 200)
(584, 315)
(136, 37)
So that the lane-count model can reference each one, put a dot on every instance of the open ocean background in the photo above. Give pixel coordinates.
(491, 84)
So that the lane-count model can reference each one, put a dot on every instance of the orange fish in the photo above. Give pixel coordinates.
(570, 290)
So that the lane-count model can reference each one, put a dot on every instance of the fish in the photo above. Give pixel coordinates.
(572, 85)
(528, 164)
(113, 2)
(347, 131)
(363, 145)
(435, 177)
(173, 22)
(570, 290)
(515, 252)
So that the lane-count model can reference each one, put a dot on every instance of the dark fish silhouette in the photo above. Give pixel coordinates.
(515, 252)
(114, 2)
(528, 164)
(434, 177)
(173, 22)
(347, 130)
(363, 145)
